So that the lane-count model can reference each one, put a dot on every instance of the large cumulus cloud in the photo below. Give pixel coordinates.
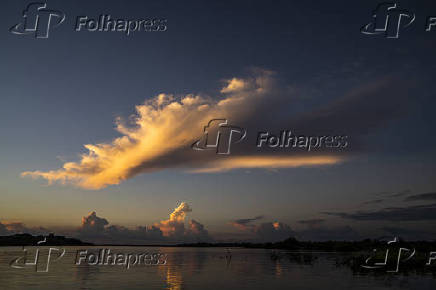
(165, 126)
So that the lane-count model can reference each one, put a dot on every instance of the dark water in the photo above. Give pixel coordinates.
(202, 269)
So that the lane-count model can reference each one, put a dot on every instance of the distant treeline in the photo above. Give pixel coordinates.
(288, 244)
(30, 240)
(329, 246)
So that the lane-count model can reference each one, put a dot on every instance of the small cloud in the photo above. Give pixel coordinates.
(422, 197)
(273, 232)
(394, 194)
(411, 213)
(267, 162)
(265, 232)
(312, 222)
(198, 231)
(9, 228)
(244, 224)
(175, 225)
(233, 85)
(93, 223)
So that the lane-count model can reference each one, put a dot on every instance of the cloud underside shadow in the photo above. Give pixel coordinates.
(161, 132)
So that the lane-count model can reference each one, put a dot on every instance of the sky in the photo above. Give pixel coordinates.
(139, 101)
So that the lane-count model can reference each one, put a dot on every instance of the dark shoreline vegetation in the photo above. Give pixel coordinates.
(351, 254)
(30, 240)
(291, 244)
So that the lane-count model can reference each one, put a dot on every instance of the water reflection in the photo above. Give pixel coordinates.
(207, 268)
(174, 278)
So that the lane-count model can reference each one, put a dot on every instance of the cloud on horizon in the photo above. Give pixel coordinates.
(383, 197)
(175, 229)
(422, 197)
(245, 224)
(264, 232)
(9, 228)
(171, 230)
(407, 213)
(278, 231)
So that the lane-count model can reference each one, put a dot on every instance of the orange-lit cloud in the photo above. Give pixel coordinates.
(93, 222)
(175, 225)
(245, 224)
(95, 228)
(166, 125)
(12, 227)
(271, 162)
(267, 231)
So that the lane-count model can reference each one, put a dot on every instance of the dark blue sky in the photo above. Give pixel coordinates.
(60, 93)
